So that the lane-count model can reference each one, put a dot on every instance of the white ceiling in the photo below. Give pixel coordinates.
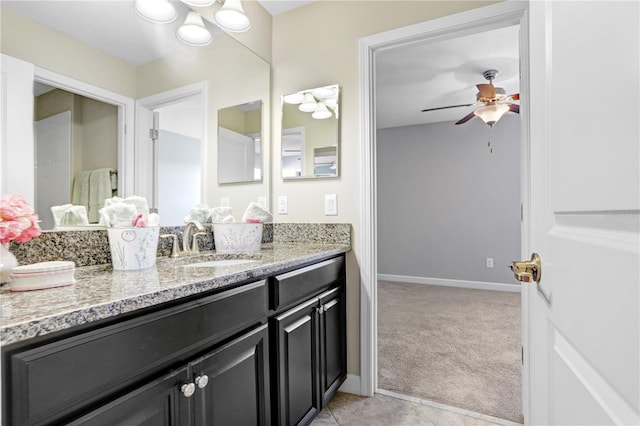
(409, 78)
(436, 74)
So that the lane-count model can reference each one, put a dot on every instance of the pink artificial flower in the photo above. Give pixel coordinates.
(139, 221)
(18, 221)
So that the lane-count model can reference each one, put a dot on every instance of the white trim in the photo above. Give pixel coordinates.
(351, 385)
(158, 100)
(126, 120)
(478, 285)
(481, 19)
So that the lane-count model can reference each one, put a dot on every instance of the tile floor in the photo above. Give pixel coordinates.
(392, 409)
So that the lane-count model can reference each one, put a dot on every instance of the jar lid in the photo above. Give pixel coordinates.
(44, 267)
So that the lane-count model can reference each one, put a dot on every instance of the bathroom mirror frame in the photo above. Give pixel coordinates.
(241, 140)
(312, 138)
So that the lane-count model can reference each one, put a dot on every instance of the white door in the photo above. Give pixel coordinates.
(584, 213)
(53, 165)
(238, 152)
(16, 127)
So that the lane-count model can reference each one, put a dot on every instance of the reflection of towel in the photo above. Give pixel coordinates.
(99, 190)
(80, 193)
(69, 215)
(256, 213)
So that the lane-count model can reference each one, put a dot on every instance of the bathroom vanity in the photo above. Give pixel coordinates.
(259, 340)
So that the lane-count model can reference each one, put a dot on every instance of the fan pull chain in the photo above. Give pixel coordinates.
(489, 143)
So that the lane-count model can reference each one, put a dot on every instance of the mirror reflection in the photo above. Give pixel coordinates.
(226, 73)
(310, 133)
(240, 143)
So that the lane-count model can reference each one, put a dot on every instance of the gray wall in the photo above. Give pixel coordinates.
(445, 203)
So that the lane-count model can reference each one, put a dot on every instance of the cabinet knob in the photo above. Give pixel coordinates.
(202, 381)
(188, 389)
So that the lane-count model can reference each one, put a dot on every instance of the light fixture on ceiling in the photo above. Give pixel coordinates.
(231, 17)
(193, 32)
(199, 3)
(309, 103)
(156, 11)
(321, 112)
(490, 114)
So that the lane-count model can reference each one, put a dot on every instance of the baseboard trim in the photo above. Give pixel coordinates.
(478, 285)
(351, 385)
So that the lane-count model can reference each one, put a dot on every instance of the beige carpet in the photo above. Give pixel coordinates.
(455, 346)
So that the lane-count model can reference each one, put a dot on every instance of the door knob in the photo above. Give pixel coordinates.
(188, 389)
(527, 270)
(202, 381)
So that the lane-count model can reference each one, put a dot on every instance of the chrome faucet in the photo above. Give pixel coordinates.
(187, 231)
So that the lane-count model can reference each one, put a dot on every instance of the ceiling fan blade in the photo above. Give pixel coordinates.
(514, 108)
(466, 118)
(486, 90)
(445, 107)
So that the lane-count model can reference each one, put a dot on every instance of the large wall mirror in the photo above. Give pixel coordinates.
(240, 143)
(311, 133)
(225, 73)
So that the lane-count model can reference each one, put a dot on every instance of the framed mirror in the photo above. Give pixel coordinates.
(311, 133)
(240, 143)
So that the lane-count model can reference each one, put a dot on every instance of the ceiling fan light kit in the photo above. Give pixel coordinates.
(493, 101)
(321, 102)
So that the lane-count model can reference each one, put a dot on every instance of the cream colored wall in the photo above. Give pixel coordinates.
(99, 135)
(317, 45)
(54, 51)
(208, 64)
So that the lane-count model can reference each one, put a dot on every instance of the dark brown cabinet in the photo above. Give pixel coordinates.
(268, 351)
(310, 347)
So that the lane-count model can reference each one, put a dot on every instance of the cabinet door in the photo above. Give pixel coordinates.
(333, 342)
(233, 382)
(297, 364)
(159, 403)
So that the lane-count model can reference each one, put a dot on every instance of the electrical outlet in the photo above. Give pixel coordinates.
(283, 207)
(489, 262)
(262, 202)
(330, 205)
(224, 201)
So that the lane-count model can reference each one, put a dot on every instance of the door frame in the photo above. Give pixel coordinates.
(465, 23)
(144, 154)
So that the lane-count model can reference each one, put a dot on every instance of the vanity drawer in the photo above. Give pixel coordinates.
(52, 381)
(291, 287)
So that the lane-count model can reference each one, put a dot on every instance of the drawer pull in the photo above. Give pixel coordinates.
(202, 381)
(188, 389)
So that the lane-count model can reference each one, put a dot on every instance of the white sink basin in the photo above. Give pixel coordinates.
(222, 262)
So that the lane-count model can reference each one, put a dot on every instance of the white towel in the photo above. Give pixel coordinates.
(99, 190)
(80, 192)
(255, 212)
(69, 215)
(199, 212)
(221, 215)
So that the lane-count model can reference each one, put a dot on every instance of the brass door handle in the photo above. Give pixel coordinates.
(527, 270)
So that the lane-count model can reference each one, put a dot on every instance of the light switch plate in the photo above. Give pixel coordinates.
(330, 205)
(283, 207)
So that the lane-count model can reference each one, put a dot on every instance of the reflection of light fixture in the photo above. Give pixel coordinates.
(156, 11)
(294, 98)
(490, 114)
(323, 92)
(309, 104)
(199, 3)
(193, 31)
(230, 17)
(321, 112)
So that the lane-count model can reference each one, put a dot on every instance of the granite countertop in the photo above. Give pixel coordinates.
(100, 292)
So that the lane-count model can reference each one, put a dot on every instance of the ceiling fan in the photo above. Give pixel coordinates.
(493, 100)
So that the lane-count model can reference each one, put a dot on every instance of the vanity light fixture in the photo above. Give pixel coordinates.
(193, 32)
(155, 11)
(199, 3)
(294, 98)
(231, 17)
(321, 112)
(309, 104)
(490, 114)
